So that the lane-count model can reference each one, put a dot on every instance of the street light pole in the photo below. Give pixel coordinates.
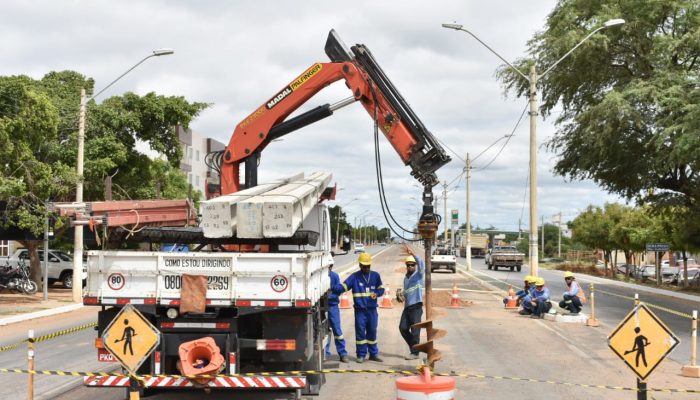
(337, 230)
(532, 95)
(78, 236)
(468, 253)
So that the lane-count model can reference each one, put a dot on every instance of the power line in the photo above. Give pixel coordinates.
(507, 137)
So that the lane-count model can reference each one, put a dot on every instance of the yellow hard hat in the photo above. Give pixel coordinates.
(527, 278)
(531, 279)
(540, 282)
(568, 274)
(410, 259)
(364, 259)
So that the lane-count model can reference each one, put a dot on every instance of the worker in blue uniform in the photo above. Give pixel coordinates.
(334, 317)
(366, 286)
(412, 295)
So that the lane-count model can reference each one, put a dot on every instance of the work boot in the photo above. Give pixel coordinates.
(360, 360)
(344, 359)
(525, 312)
(411, 356)
(375, 358)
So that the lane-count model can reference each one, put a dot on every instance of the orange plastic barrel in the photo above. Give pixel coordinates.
(425, 387)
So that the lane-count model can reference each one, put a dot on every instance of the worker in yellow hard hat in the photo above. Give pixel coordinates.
(574, 298)
(540, 300)
(526, 299)
(412, 294)
(520, 294)
(366, 286)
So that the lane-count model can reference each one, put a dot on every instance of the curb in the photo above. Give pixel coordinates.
(40, 314)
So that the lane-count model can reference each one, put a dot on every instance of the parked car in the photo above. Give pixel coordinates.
(60, 268)
(693, 276)
(359, 248)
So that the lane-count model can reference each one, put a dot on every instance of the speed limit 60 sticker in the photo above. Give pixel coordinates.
(116, 281)
(279, 283)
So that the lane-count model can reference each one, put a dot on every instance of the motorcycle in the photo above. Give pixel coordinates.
(17, 279)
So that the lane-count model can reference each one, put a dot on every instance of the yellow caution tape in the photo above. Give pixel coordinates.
(347, 371)
(48, 336)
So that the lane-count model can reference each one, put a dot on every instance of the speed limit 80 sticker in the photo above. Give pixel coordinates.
(116, 281)
(279, 283)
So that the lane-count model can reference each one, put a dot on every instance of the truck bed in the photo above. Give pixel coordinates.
(235, 279)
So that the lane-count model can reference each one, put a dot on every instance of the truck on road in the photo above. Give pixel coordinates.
(479, 245)
(266, 297)
(504, 256)
(443, 257)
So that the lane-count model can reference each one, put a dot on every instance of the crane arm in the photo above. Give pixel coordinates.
(368, 84)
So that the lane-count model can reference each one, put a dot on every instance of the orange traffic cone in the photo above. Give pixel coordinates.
(511, 302)
(455, 302)
(200, 357)
(386, 299)
(344, 301)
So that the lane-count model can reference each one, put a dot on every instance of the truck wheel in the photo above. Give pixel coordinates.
(519, 267)
(511, 269)
(495, 267)
(454, 270)
(488, 266)
(314, 382)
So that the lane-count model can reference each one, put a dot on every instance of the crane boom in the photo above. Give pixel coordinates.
(368, 84)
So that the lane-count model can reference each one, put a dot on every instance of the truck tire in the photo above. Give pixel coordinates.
(454, 269)
(488, 266)
(314, 382)
(512, 268)
(495, 267)
(519, 267)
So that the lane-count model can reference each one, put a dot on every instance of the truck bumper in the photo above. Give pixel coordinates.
(220, 382)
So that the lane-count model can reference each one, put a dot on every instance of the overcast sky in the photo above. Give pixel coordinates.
(236, 55)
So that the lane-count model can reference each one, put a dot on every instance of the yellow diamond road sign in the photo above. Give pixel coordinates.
(131, 338)
(642, 341)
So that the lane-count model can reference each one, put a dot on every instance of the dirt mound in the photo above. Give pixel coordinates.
(583, 268)
(443, 298)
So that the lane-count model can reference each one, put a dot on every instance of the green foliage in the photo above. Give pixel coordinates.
(629, 94)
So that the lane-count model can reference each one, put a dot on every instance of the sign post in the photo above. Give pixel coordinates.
(642, 341)
(454, 223)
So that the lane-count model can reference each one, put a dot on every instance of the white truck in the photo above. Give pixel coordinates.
(265, 311)
(504, 256)
(443, 257)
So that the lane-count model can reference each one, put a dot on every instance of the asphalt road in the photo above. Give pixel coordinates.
(610, 309)
(481, 339)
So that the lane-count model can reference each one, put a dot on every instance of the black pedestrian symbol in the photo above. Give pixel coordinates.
(640, 342)
(129, 332)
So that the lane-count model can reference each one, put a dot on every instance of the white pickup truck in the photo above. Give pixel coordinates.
(265, 311)
(443, 258)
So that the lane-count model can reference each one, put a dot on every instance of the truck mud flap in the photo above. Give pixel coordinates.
(220, 382)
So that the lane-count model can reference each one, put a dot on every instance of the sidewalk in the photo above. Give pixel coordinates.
(16, 307)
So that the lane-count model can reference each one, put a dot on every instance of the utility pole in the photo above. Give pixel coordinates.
(468, 253)
(543, 236)
(520, 228)
(559, 246)
(445, 217)
(533, 173)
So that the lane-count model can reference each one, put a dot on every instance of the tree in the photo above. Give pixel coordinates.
(629, 96)
(38, 122)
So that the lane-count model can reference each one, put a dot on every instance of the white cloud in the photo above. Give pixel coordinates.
(237, 55)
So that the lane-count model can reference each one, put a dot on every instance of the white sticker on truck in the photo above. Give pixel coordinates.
(193, 263)
(279, 283)
(174, 282)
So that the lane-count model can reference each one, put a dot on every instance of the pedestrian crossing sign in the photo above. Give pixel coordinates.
(642, 341)
(131, 338)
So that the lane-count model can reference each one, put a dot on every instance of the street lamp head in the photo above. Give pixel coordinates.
(452, 26)
(163, 52)
(613, 22)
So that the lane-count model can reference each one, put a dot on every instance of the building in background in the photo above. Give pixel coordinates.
(194, 149)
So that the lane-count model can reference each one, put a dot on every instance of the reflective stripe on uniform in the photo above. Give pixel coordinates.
(370, 341)
(363, 294)
(361, 341)
(341, 337)
(412, 288)
(345, 286)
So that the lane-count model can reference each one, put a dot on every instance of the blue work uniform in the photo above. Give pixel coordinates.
(541, 297)
(528, 298)
(366, 319)
(334, 316)
(571, 301)
(413, 305)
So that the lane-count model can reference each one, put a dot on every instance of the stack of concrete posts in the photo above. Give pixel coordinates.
(279, 212)
(219, 214)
